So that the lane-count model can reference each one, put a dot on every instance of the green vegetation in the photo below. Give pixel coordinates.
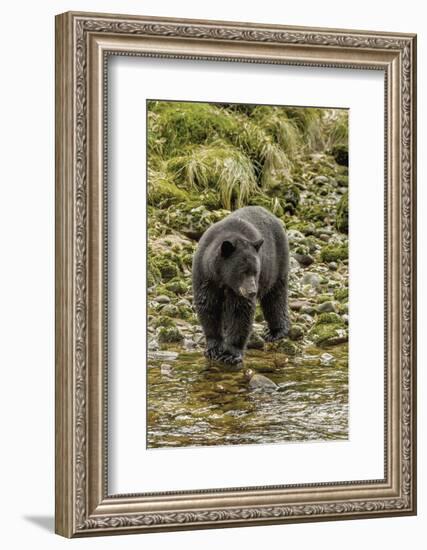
(205, 160)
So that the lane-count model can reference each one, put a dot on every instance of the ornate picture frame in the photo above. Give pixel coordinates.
(84, 506)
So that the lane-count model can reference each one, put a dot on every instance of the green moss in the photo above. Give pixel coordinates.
(177, 286)
(296, 332)
(328, 318)
(328, 334)
(163, 321)
(185, 313)
(178, 124)
(162, 191)
(341, 294)
(334, 253)
(167, 268)
(286, 346)
(169, 335)
(342, 214)
(342, 180)
(153, 274)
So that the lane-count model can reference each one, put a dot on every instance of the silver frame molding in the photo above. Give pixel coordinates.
(83, 43)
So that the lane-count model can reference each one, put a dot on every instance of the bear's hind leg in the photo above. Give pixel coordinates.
(275, 309)
(238, 318)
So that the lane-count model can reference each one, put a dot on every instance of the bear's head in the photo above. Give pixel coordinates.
(239, 266)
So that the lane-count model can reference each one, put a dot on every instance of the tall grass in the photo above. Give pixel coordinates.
(236, 151)
(220, 166)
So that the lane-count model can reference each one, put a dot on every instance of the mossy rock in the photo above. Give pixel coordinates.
(169, 335)
(177, 286)
(153, 275)
(286, 346)
(315, 212)
(341, 294)
(185, 313)
(170, 310)
(163, 321)
(342, 214)
(334, 253)
(167, 268)
(296, 332)
(328, 334)
(328, 318)
(164, 193)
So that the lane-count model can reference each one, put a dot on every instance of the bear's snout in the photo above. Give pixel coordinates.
(249, 288)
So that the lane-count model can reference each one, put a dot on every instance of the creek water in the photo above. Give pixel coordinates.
(191, 402)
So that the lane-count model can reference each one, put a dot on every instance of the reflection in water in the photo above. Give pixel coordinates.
(191, 402)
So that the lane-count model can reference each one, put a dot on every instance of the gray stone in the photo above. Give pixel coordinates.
(311, 279)
(162, 355)
(326, 358)
(259, 381)
(162, 299)
(326, 307)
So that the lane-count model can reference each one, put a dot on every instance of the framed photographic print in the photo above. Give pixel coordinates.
(235, 274)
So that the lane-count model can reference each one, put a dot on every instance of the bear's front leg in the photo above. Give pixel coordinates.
(208, 303)
(238, 317)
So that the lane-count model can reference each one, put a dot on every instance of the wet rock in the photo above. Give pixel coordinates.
(170, 335)
(326, 307)
(326, 359)
(296, 332)
(166, 370)
(280, 361)
(287, 347)
(162, 299)
(255, 341)
(259, 381)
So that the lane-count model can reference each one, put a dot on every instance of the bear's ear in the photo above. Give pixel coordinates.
(227, 248)
(257, 244)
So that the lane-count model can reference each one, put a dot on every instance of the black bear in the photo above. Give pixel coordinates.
(240, 259)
